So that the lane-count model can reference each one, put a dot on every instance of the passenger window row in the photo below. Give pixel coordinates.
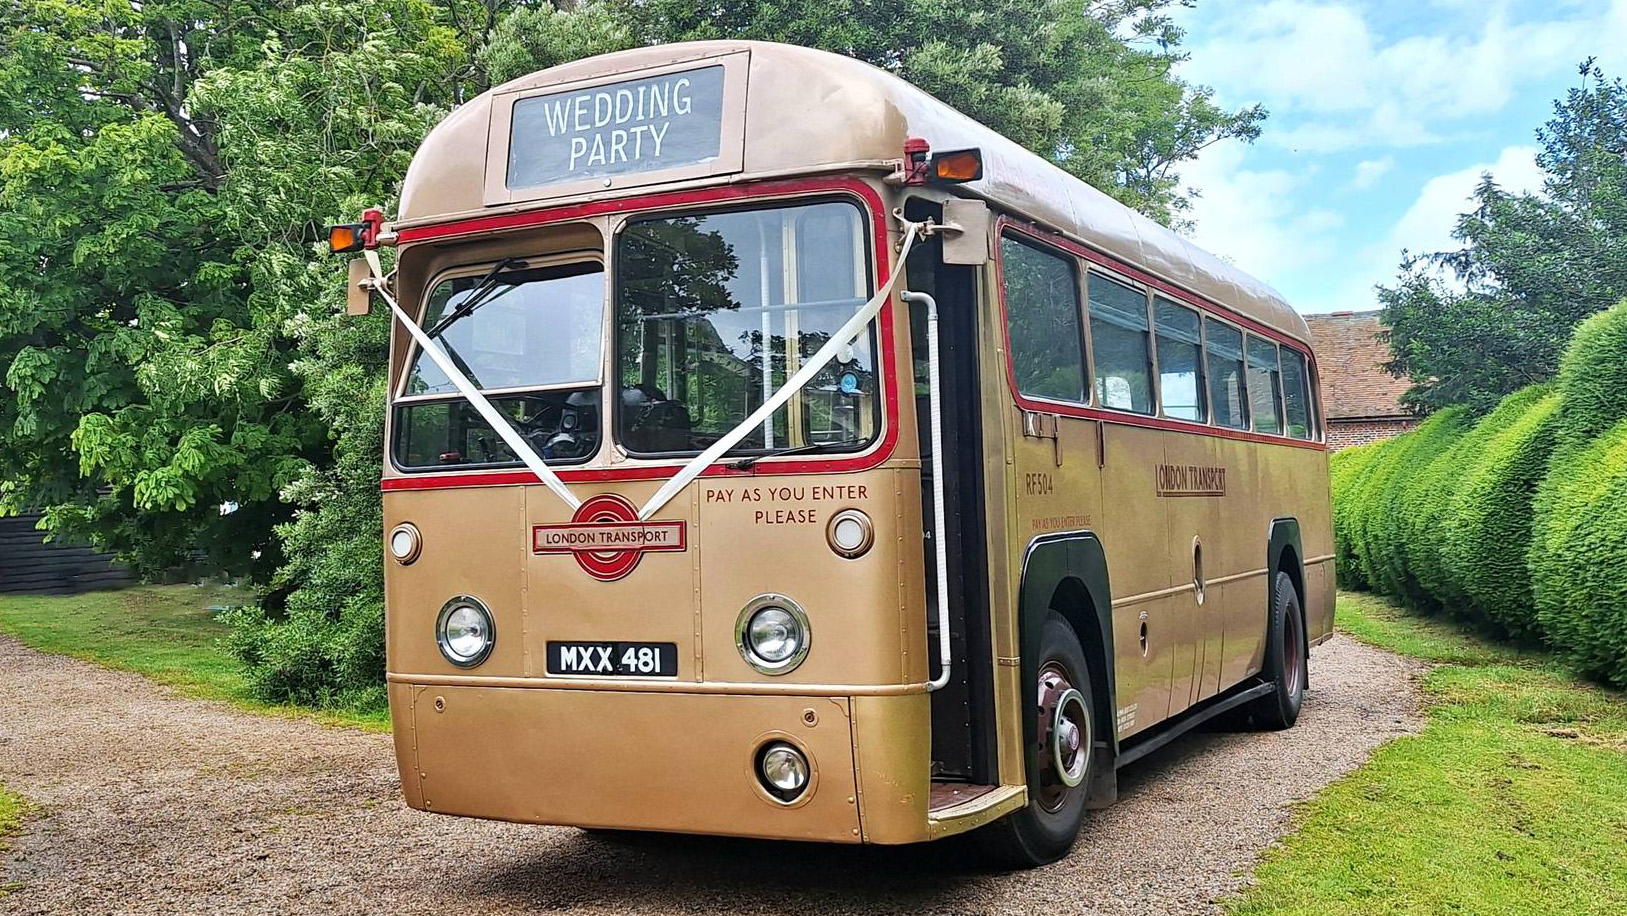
(1143, 353)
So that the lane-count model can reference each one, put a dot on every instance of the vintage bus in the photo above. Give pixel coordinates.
(774, 451)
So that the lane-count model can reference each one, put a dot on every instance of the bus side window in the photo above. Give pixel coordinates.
(1264, 386)
(1223, 348)
(1042, 321)
(1296, 394)
(1118, 331)
(1180, 361)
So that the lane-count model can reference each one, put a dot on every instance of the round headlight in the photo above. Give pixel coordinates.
(775, 635)
(783, 770)
(772, 634)
(465, 631)
(405, 543)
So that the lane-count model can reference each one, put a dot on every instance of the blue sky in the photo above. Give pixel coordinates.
(1384, 114)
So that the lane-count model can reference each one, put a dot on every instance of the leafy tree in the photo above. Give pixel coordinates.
(1472, 325)
(1054, 75)
(142, 394)
(171, 343)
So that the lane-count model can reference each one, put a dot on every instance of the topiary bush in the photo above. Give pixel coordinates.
(1384, 531)
(1519, 519)
(1578, 558)
(1486, 530)
(1424, 500)
(1593, 378)
(1348, 472)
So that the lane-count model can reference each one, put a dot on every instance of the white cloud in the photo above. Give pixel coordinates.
(1427, 225)
(1249, 216)
(1334, 83)
(1370, 171)
(1424, 228)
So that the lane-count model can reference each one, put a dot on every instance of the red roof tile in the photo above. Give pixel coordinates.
(1350, 355)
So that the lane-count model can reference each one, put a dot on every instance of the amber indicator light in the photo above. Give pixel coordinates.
(347, 238)
(958, 166)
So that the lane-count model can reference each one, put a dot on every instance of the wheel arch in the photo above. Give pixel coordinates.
(1068, 572)
(1285, 554)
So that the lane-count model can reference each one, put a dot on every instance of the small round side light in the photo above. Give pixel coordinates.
(405, 543)
(850, 533)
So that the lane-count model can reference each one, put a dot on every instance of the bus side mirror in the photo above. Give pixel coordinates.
(965, 232)
(358, 298)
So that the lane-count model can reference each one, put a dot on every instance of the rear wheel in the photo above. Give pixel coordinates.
(1045, 830)
(1285, 659)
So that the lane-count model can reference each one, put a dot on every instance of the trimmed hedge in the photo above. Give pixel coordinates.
(1593, 378)
(1348, 471)
(1382, 529)
(1578, 557)
(1489, 525)
(1518, 519)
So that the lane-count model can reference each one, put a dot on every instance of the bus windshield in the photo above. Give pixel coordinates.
(529, 336)
(530, 328)
(714, 312)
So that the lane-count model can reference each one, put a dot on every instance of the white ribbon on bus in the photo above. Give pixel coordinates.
(470, 393)
(844, 336)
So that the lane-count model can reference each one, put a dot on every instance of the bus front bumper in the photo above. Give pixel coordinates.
(681, 762)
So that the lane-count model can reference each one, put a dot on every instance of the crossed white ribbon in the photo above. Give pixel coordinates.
(843, 337)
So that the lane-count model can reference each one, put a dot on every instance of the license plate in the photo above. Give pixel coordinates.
(613, 659)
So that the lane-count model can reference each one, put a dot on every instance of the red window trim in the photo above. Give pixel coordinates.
(867, 198)
(1202, 304)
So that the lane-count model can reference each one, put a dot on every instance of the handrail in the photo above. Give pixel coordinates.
(940, 550)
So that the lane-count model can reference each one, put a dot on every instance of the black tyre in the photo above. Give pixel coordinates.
(1044, 831)
(1285, 659)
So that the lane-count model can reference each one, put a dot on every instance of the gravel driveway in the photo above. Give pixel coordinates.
(154, 803)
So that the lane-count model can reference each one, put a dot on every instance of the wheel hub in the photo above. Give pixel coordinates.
(1065, 736)
(1292, 655)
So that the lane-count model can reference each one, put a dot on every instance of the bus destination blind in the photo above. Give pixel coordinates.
(642, 125)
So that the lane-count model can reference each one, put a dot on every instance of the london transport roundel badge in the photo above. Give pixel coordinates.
(607, 538)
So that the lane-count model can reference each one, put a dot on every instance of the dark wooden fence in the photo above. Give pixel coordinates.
(29, 566)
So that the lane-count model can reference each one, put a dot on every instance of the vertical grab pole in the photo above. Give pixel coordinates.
(940, 550)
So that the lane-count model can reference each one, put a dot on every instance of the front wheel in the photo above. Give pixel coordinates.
(1044, 831)
(1285, 659)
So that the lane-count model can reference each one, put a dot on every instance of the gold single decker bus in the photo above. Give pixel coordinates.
(774, 451)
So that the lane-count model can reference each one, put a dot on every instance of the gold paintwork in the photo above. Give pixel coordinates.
(506, 740)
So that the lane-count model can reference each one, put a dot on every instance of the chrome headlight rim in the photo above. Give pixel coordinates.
(413, 534)
(452, 604)
(742, 634)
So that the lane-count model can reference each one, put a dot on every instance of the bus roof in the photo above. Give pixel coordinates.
(809, 111)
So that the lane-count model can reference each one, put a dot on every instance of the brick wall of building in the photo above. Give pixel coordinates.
(1347, 433)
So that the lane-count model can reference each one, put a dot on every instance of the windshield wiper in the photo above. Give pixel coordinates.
(477, 297)
(745, 464)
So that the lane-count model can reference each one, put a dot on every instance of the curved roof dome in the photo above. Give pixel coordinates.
(810, 111)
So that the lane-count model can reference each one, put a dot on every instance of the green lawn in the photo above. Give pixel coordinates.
(1513, 799)
(165, 632)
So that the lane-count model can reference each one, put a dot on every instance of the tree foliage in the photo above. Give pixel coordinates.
(1054, 75)
(1472, 325)
(178, 381)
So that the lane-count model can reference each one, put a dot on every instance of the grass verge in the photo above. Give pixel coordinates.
(165, 632)
(12, 810)
(1512, 800)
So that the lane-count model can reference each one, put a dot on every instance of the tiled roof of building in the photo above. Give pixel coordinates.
(1350, 355)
